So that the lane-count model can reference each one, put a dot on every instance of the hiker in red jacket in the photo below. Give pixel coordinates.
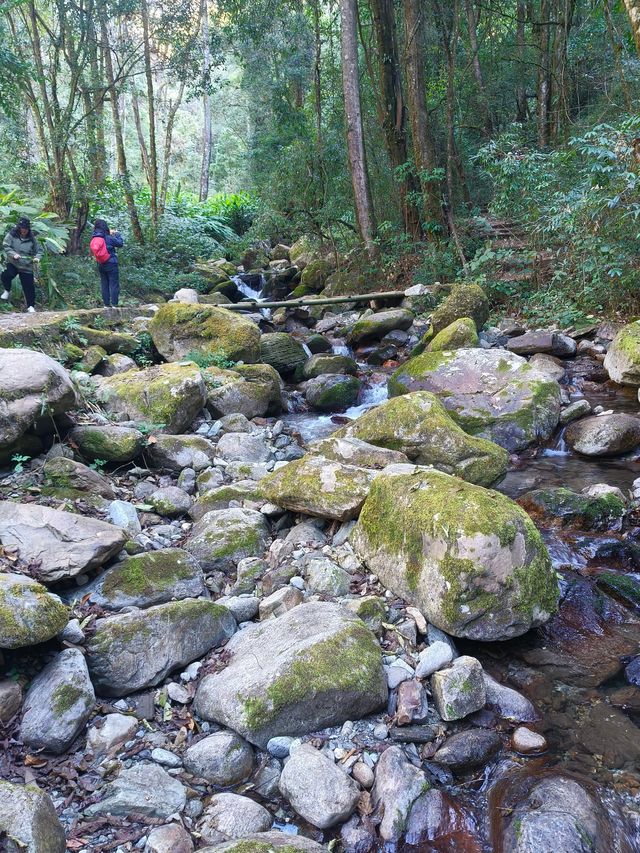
(103, 245)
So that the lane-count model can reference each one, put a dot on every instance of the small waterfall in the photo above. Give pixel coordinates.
(252, 286)
(371, 396)
(340, 349)
(560, 449)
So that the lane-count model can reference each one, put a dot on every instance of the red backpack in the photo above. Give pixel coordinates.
(98, 247)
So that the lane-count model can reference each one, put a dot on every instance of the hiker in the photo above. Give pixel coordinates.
(103, 245)
(23, 252)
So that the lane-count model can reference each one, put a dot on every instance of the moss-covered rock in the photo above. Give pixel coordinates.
(146, 579)
(419, 426)
(622, 361)
(460, 333)
(223, 537)
(318, 344)
(268, 374)
(315, 274)
(229, 393)
(267, 842)
(465, 300)
(315, 486)
(176, 452)
(470, 558)
(107, 339)
(624, 587)
(322, 364)
(166, 397)
(314, 666)
(28, 820)
(214, 499)
(115, 363)
(353, 451)
(68, 474)
(139, 649)
(283, 352)
(332, 393)
(600, 512)
(91, 359)
(111, 443)
(29, 614)
(178, 329)
(492, 393)
(345, 283)
(373, 327)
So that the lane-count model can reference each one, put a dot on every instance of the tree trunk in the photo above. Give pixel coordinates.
(544, 74)
(317, 96)
(121, 157)
(206, 103)
(617, 52)
(153, 148)
(472, 26)
(166, 160)
(559, 116)
(142, 142)
(353, 120)
(393, 110)
(522, 112)
(424, 149)
(633, 11)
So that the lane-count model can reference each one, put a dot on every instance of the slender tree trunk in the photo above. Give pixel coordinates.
(424, 149)
(633, 11)
(151, 106)
(617, 52)
(206, 103)
(560, 110)
(317, 95)
(543, 28)
(142, 142)
(166, 160)
(121, 157)
(522, 111)
(472, 26)
(353, 119)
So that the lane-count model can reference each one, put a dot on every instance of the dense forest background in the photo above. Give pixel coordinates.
(423, 140)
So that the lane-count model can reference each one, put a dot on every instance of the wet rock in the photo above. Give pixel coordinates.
(491, 394)
(145, 789)
(526, 742)
(397, 786)
(317, 789)
(108, 442)
(166, 397)
(30, 383)
(138, 649)
(60, 544)
(604, 435)
(461, 333)
(631, 671)
(459, 690)
(550, 343)
(177, 452)
(375, 326)
(151, 578)
(58, 703)
(419, 426)
(437, 820)
(230, 816)
(170, 502)
(115, 730)
(28, 820)
(67, 474)
(283, 352)
(323, 364)
(332, 393)
(280, 602)
(599, 512)
(509, 704)
(353, 451)
(243, 447)
(622, 361)
(313, 667)
(10, 699)
(470, 559)
(171, 838)
(468, 749)
(265, 842)
(28, 613)
(224, 537)
(575, 410)
(315, 486)
(179, 330)
(223, 758)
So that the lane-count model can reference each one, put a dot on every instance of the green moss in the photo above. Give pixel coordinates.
(401, 382)
(460, 333)
(20, 625)
(569, 508)
(336, 394)
(465, 300)
(351, 660)
(65, 697)
(622, 586)
(146, 573)
(111, 443)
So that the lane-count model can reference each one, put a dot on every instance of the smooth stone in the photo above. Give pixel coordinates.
(525, 741)
(231, 816)
(222, 758)
(434, 657)
(171, 838)
(468, 749)
(145, 789)
(115, 730)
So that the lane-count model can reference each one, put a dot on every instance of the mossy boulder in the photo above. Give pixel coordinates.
(373, 327)
(139, 649)
(315, 274)
(115, 363)
(345, 283)
(29, 614)
(317, 486)
(229, 393)
(461, 333)
(322, 364)
(108, 340)
(91, 359)
(167, 397)
(470, 558)
(269, 375)
(144, 580)
(215, 499)
(315, 666)
(178, 329)
(267, 842)
(594, 512)
(353, 451)
(622, 361)
(625, 587)
(109, 442)
(465, 300)
(223, 537)
(176, 452)
(68, 474)
(419, 426)
(491, 394)
(332, 393)
(319, 344)
(28, 820)
(282, 352)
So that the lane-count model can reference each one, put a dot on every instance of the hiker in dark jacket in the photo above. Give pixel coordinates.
(107, 266)
(22, 250)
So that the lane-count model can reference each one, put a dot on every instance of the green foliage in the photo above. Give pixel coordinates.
(215, 359)
(98, 465)
(144, 355)
(19, 459)
(46, 226)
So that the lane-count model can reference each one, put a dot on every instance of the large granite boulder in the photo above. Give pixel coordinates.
(283, 352)
(457, 335)
(176, 452)
(28, 820)
(229, 393)
(29, 614)
(491, 394)
(108, 442)
(373, 327)
(33, 388)
(469, 558)
(223, 537)
(315, 666)
(138, 649)
(465, 300)
(180, 331)
(418, 425)
(604, 435)
(166, 397)
(622, 361)
(60, 544)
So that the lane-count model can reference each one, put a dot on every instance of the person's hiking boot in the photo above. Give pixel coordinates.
(31, 310)
(5, 295)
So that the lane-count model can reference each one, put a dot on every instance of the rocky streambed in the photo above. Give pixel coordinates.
(321, 580)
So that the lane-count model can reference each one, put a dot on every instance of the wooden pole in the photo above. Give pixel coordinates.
(309, 303)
